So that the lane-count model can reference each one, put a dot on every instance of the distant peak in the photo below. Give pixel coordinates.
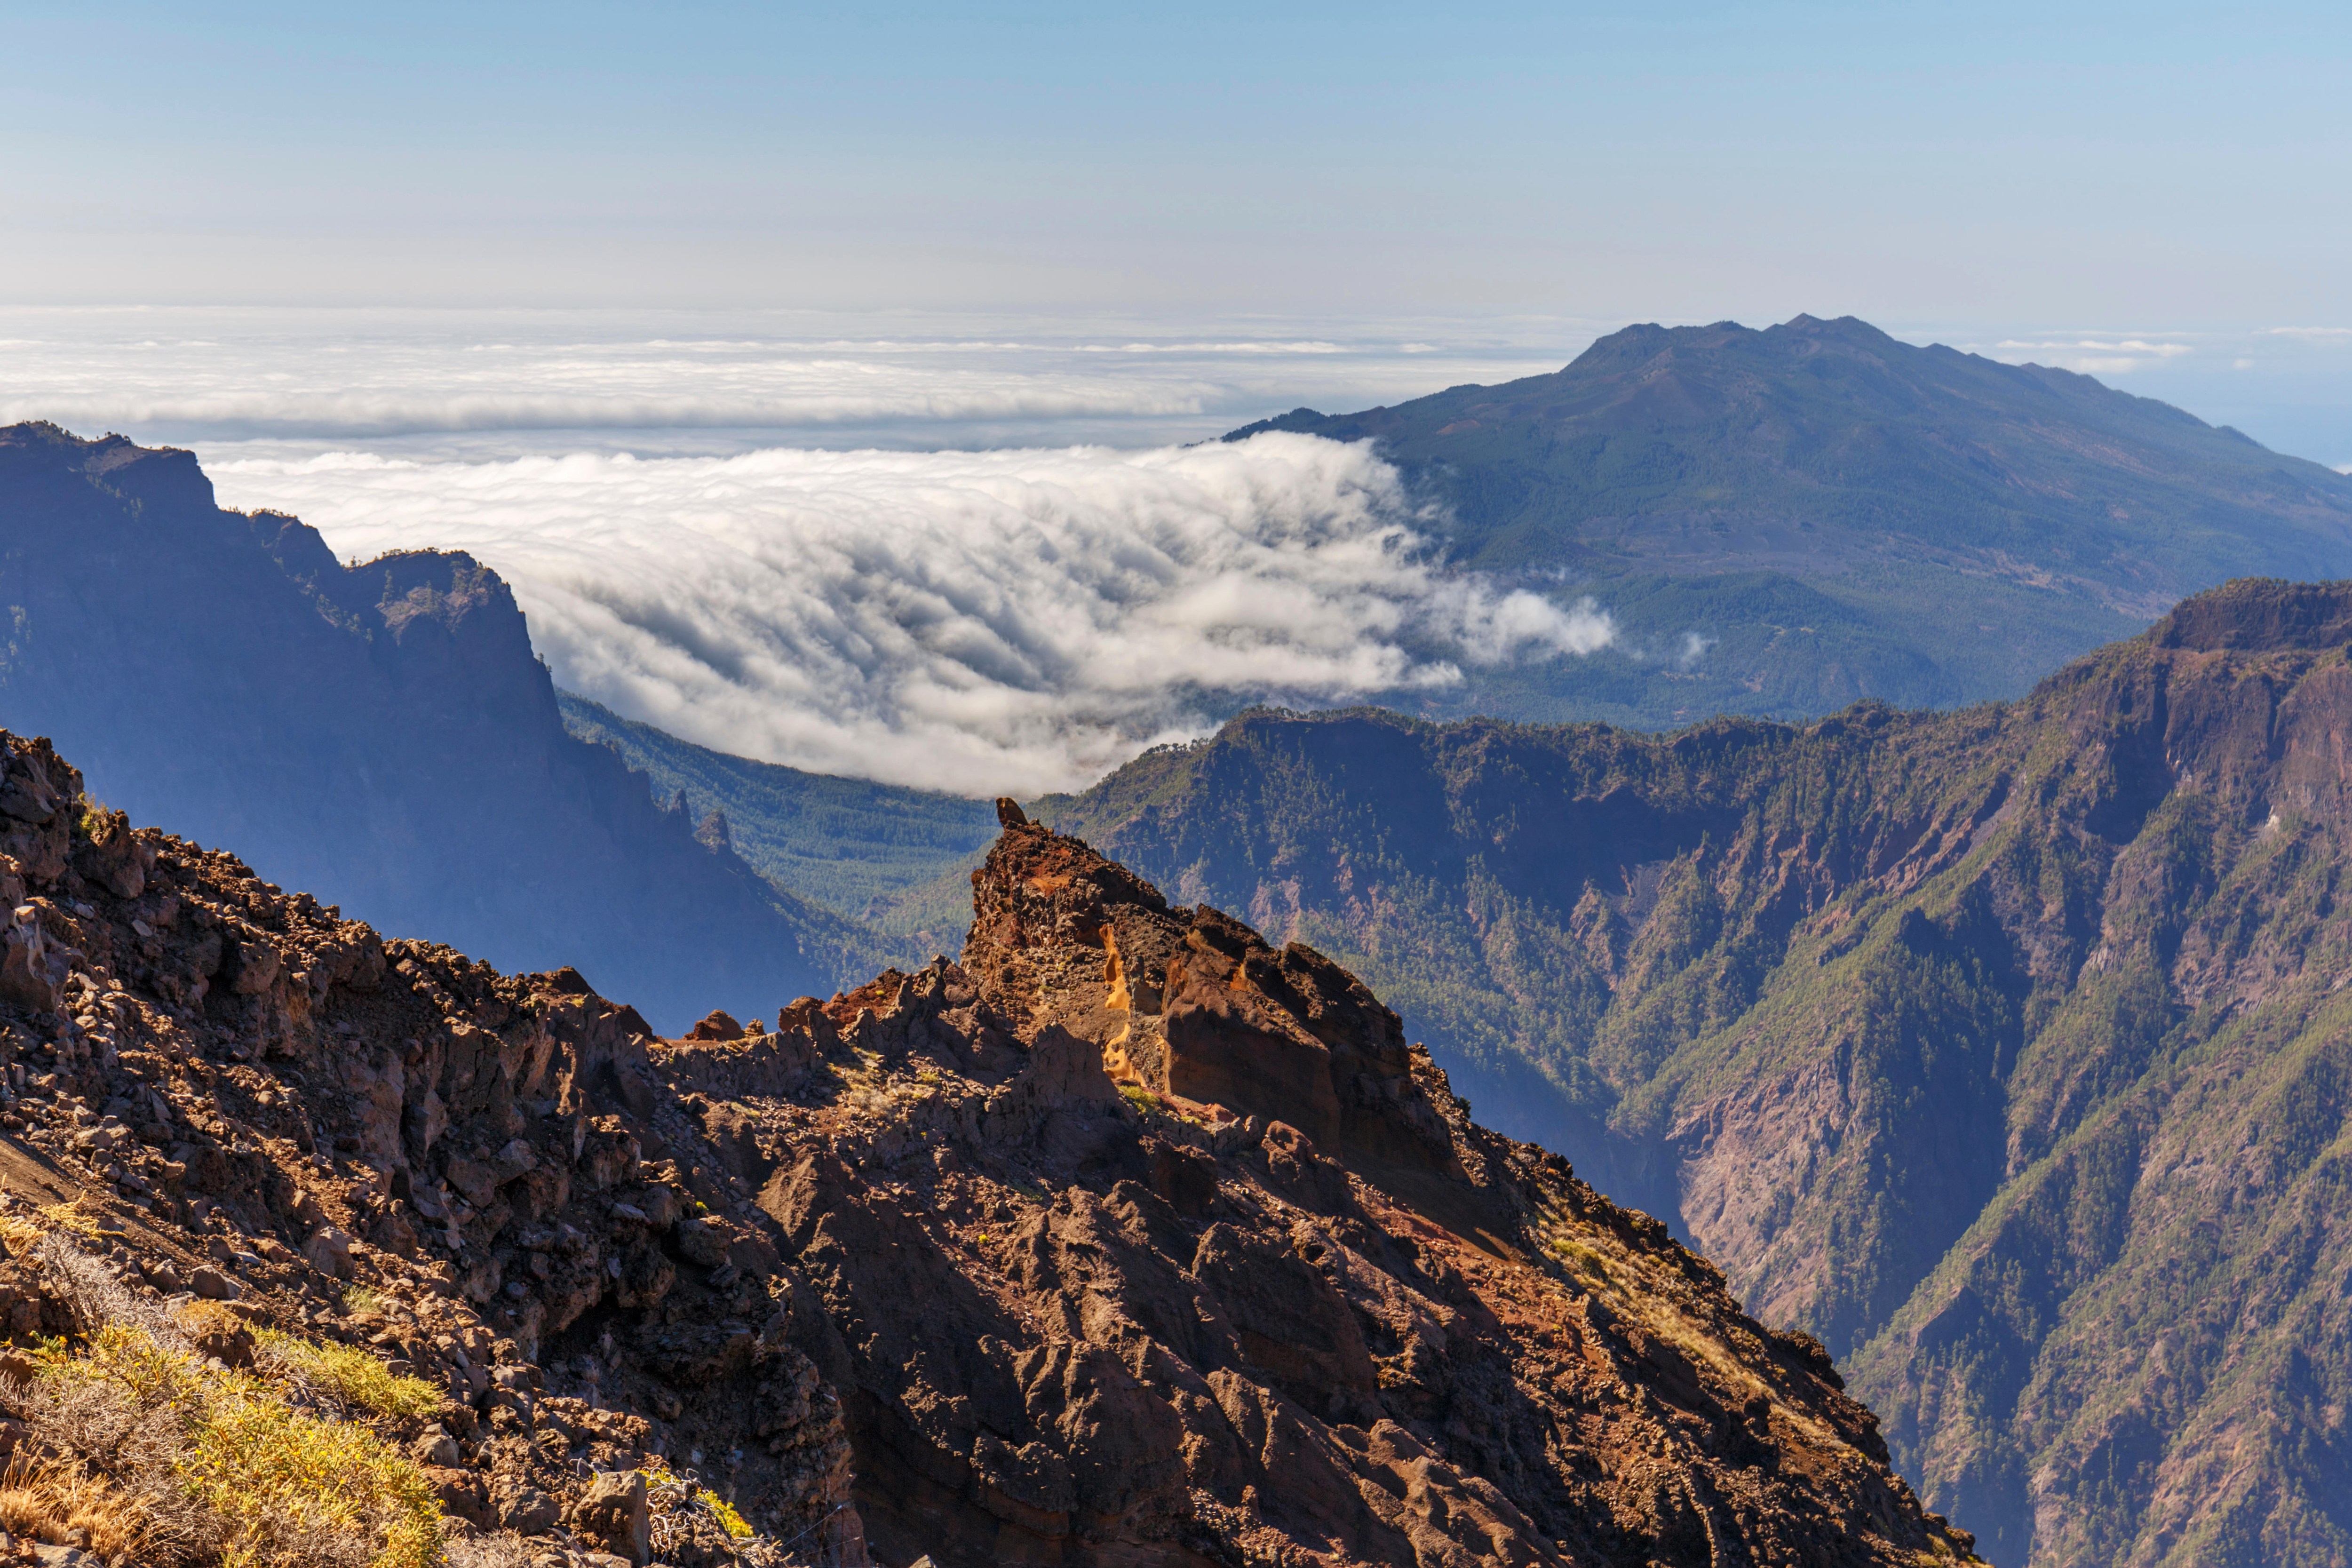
(1627, 346)
(1849, 328)
(1297, 419)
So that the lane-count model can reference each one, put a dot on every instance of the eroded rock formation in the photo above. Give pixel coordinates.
(1134, 1241)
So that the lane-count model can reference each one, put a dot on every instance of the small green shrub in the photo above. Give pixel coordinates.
(352, 1375)
(361, 1302)
(273, 1480)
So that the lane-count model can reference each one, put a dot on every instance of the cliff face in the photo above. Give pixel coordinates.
(1999, 1049)
(1395, 1338)
(911, 1272)
(379, 734)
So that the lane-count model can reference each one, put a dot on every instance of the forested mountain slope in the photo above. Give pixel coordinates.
(1789, 520)
(2005, 1050)
(897, 859)
(380, 734)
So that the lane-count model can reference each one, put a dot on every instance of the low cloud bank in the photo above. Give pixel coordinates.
(345, 415)
(978, 622)
(442, 384)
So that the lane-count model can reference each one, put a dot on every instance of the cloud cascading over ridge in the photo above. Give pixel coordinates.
(978, 622)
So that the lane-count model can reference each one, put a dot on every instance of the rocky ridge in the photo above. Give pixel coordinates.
(2000, 1048)
(227, 1093)
(908, 1273)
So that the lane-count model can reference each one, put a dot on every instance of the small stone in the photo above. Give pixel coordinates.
(461, 1496)
(214, 1286)
(329, 1252)
(529, 1512)
(437, 1447)
(659, 1203)
(703, 1241)
(616, 1513)
(720, 1026)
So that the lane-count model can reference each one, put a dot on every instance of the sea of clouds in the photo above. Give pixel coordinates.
(977, 554)
(480, 382)
(1012, 621)
(974, 553)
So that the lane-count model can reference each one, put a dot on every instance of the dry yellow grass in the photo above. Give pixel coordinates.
(61, 1505)
(77, 1216)
(278, 1483)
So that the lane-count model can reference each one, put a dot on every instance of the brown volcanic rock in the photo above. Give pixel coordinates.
(1192, 1003)
(243, 1093)
(914, 1245)
(1084, 1328)
(2003, 1048)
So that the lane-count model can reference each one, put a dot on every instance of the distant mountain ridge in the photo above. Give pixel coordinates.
(381, 734)
(1790, 520)
(2005, 1050)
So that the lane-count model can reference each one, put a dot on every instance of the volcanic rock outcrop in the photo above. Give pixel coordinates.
(222, 1090)
(1135, 1241)
(2002, 1048)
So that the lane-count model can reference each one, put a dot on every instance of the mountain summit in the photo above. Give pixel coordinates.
(1792, 519)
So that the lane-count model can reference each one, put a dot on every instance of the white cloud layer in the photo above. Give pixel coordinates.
(1014, 621)
(2093, 356)
(443, 383)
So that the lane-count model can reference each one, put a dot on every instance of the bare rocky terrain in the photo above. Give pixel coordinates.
(2002, 1049)
(1131, 1240)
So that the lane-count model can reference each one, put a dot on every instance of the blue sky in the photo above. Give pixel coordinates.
(1979, 172)
(2182, 164)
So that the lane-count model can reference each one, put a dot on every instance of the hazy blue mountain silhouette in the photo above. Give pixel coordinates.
(381, 735)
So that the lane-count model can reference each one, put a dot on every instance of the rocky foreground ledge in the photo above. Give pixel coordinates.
(1131, 1241)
